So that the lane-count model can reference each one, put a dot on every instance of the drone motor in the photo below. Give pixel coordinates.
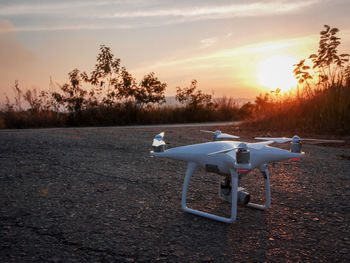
(242, 158)
(160, 148)
(158, 143)
(242, 153)
(295, 144)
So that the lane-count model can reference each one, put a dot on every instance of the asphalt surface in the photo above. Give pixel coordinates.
(96, 195)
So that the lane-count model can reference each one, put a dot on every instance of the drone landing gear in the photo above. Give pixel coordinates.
(265, 173)
(234, 181)
(229, 191)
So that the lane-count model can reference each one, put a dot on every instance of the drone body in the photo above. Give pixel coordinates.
(214, 154)
(229, 159)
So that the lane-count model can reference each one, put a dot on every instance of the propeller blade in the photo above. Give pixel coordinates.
(258, 145)
(296, 139)
(157, 143)
(226, 136)
(278, 140)
(322, 140)
(212, 132)
(222, 151)
(220, 135)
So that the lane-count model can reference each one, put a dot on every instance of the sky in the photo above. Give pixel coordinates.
(232, 48)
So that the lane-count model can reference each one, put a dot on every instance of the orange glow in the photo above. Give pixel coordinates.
(276, 72)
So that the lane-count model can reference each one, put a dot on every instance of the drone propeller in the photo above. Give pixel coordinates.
(255, 146)
(295, 145)
(219, 135)
(295, 139)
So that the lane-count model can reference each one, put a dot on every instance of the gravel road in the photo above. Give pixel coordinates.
(95, 195)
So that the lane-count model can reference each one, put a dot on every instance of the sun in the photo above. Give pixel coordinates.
(277, 73)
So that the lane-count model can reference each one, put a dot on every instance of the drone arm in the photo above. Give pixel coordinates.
(234, 178)
(265, 172)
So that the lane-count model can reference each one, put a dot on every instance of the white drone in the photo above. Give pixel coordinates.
(230, 159)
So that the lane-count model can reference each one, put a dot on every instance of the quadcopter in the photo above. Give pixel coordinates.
(232, 160)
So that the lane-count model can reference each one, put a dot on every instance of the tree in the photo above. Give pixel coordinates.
(105, 76)
(191, 97)
(111, 84)
(73, 97)
(302, 74)
(327, 61)
(150, 90)
(127, 86)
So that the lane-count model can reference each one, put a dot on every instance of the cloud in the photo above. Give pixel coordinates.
(66, 7)
(207, 42)
(233, 10)
(34, 28)
(97, 15)
(229, 53)
(46, 8)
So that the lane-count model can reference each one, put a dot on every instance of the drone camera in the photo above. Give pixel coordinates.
(225, 193)
(243, 196)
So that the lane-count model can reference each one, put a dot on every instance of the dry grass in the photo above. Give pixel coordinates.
(325, 110)
(127, 113)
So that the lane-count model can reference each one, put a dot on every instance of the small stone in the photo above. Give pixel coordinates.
(207, 259)
(344, 251)
(179, 253)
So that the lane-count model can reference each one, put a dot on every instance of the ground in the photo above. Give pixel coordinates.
(96, 195)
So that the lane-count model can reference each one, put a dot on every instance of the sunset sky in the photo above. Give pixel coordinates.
(230, 47)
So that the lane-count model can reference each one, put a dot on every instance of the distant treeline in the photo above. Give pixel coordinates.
(110, 95)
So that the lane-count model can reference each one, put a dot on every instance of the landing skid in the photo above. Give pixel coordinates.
(265, 173)
(232, 198)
